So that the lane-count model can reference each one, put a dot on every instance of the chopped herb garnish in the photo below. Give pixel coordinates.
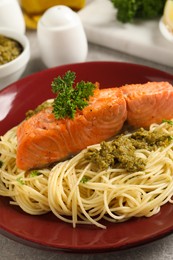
(34, 173)
(20, 181)
(85, 179)
(167, 121)
(40, 107)
(70, 98)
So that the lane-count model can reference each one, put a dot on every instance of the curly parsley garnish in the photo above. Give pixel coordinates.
(70, 98)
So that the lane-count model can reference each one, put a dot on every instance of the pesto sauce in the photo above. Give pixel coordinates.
(121, 151)
(40, 107)
(9, 49)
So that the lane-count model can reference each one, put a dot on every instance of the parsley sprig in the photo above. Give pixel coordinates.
(70, 98)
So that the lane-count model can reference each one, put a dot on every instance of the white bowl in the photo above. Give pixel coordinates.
(13, 70)
(11, 15)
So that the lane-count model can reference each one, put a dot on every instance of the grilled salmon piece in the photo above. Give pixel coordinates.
(148, 103)
(43, 139)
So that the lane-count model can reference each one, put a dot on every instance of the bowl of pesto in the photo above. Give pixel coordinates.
(14, 56)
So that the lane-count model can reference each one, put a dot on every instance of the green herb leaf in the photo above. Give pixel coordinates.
(40, 107)
(34, 173)
(167, 121)
(85, 179)
(70, 98)
(130, 10)
(20, 181)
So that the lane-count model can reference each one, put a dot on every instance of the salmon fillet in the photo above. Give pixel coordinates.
(148, 103)
(43, 139)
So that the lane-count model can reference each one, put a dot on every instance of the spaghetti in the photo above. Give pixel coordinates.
(76, 193)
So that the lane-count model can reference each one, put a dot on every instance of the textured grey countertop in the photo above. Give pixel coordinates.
(160, 249)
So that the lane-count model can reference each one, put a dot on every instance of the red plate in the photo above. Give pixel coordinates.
(47, 231)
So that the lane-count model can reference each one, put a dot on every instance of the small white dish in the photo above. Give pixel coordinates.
(12, 71)
(11, 16)
(165, 31)
(61, 37)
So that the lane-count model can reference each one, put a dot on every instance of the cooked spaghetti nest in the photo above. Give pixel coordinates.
(75, 193)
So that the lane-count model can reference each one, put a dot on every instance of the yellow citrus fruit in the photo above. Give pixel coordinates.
(168, 14)
(31, 20)
(33, 9)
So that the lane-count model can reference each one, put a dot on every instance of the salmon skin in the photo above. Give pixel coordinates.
(148, 103)
(43, 139)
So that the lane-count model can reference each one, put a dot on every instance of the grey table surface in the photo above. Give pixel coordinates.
(160, 249)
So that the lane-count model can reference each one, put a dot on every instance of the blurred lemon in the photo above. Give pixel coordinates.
(168, 15)
(33, 9)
